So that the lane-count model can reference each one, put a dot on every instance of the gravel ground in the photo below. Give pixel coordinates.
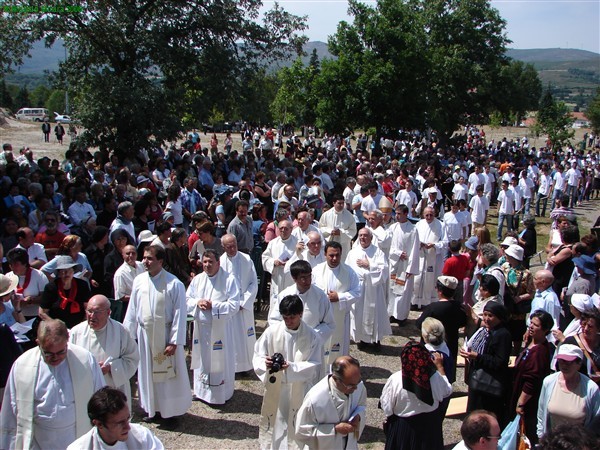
(235, 425)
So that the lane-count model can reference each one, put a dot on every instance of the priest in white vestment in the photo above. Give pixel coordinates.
(241, 267)
(404, 265)
(213, 298)
(311, 251)
(343, 289)
(110, 343)
(110, 416)
(304, 227)
(433, 246)
(333, 414)
(317, 308)
(156, 317)
(276, 256)
(46, 395)
(369, 319)
(126, 273)
(338, 224)
(382, 238)
(285, 389)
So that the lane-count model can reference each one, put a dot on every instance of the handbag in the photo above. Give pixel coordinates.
(523, 442)
(483, 382)
(522, 307)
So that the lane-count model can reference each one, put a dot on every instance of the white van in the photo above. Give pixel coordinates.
(35, 114)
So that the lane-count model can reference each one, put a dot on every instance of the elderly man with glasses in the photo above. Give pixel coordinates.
(47, 392)
(110, 343)
(333, 414)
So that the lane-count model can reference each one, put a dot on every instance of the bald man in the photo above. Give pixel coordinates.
(109, 342)
(278, 253)
(311, 251)
(333, 413)
(47, 391)
(545, 298)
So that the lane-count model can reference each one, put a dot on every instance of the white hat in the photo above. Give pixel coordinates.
(515, 251)
(569, 352)
(582, 302)
(385, 205)
(449, 282)
(508, 241)
(8, 283)
(146, 236)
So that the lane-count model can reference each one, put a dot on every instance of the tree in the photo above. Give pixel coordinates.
(414, 63)
(22, 98)
(56, 102)
(519, 91)
(554, 119)
(593, 112)
(40, 95)
(6, 100)
(131, 63)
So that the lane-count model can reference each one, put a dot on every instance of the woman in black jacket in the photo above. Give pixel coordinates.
(488, 353)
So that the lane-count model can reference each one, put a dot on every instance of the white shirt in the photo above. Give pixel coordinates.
(507, 202)
(79, 212)
(479, 206)
(124, 276)
(36, 252)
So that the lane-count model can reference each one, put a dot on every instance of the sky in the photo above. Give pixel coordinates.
(530, 23)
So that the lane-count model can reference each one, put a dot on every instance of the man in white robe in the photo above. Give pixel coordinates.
(156, 316)
(343, 289)
(126, 273)
(276, 256)
(338, 224)
(312, 251)
(46, 395)
(333, 413)
(241, 267)
(382, 238)
(285, 389)
(404, 265)
(304, 227)
(213, 298)
(109, 342)
(317, 309)
(433, 246)
(110, 415)
(369, 319)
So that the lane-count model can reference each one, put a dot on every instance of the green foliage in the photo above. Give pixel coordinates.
(6, 100)
(56, 102)
(130, 63)
(554, 119)
(412, 63)
(22, 99)
(518, 91)
(593, 112)
(40, 95)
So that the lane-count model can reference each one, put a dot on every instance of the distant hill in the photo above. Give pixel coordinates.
(573, 74)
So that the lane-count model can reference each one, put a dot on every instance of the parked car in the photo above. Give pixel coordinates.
(60, 118)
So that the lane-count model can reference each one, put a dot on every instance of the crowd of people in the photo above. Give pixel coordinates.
(336, 239)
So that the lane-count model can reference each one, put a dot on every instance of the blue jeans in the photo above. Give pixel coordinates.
(572, 193)
(509, 224)
(557, 193)
(544, 200)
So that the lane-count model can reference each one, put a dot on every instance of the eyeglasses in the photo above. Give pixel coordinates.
(53, 354)
(347, 386)
(493, 437)
(93, 312)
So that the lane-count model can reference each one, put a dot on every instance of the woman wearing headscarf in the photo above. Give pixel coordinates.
(410, 399)
(488, 352)
(531, 367)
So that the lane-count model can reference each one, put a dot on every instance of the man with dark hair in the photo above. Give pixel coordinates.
(156, 317)
(213, 298)
(333, 414)
(110, 416)
(480, 431)
(317, 309)
(241, 227)
(569, 437)
(300, 347)
(45, 397)
(35, 251)
(338, 224)
(163, 235)
(343, 289)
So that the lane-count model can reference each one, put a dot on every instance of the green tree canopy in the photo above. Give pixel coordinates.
(130, 63)
(554, 120)
(593, 112)
(415, 63)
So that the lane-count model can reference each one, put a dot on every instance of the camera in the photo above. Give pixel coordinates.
(278, 362)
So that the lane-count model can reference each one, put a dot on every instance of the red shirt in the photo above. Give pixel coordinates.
(50, 240)
(457, 266)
